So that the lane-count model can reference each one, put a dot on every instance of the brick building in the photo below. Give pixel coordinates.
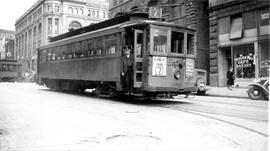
(48, 18)
(189, 13)
(239, 37)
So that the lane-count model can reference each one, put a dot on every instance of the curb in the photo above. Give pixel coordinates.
(227, 96)
(216, 95)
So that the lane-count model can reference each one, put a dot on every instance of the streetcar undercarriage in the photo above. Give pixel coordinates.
(110, 89)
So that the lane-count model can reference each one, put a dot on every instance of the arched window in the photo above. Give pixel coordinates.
(81, 11)
(76, 11)
(70, 10)
(74, 25)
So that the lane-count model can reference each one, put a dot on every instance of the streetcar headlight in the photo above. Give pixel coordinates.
(177, 75)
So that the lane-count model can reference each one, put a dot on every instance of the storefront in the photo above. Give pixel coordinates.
(244, 61)
(249, 61)
(239, 38)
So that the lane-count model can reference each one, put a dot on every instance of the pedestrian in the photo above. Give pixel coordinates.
(230, 78)
(127, 69)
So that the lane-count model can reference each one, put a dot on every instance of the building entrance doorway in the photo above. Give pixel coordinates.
(225, 62)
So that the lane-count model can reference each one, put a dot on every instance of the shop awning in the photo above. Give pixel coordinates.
(236, 28)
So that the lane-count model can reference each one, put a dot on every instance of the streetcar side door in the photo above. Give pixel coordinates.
(138, 58)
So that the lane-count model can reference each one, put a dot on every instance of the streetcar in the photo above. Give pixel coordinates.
(9, 70)
(90, 57)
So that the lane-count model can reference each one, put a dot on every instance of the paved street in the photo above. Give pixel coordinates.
(34, 118)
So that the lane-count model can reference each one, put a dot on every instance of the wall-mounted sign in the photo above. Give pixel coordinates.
(159, 66)
(190, 63)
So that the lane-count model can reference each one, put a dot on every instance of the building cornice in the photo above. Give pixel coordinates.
(224, 5)
(39, 2)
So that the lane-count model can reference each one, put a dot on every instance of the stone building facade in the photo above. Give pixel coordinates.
(239, 37)
(6, 38)
(48, 18)
(189, 13)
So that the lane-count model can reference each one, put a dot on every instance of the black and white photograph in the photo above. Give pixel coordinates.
(134, 75)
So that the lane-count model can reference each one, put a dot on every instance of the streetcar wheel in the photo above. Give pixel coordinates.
(255, 93)
(113, 93)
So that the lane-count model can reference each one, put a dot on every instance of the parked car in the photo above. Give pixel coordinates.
(259, 89)
(201, 76)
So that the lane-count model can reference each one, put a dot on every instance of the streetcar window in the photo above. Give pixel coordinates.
(139, 45)
(53, 54)
(147, 40)
(43, 56)
(177, 42)
(64, 52)
(110, 46)
(1, 67)
(69, 51)
(84, 48)
(160, 40)
(49, 57)
(111, 42)
(57, 53)
(190, 44)
(76, 49)
(90, 51)
(98, 46)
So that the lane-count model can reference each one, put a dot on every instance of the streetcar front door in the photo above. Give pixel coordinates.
(138, 58)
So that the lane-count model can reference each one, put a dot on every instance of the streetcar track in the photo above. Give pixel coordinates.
(218, 119)
(228, 115)
(154, 102)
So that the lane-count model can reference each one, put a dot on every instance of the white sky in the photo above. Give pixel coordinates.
(11, 10)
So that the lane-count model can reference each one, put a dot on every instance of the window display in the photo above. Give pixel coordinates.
(244, 61)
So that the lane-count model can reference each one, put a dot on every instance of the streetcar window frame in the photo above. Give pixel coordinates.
(152, 39)
(182, 42)
(190, 43)
(111, 43)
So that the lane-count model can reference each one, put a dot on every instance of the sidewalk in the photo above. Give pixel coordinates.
(225, 92)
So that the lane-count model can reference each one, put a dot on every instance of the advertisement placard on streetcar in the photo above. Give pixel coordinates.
(190, 67)
(159, 66)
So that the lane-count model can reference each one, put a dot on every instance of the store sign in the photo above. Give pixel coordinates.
(159, 66)
(190, 67)
(244, 61)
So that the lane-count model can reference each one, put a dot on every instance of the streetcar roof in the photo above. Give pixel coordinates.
(100, 25)
(120, 26)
